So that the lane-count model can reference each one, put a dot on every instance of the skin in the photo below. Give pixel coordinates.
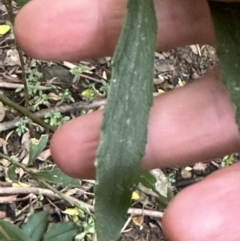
(190, 124)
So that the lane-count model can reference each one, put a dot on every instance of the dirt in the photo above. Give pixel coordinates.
(148, 232)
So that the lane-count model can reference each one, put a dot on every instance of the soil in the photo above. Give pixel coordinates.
(148, 232)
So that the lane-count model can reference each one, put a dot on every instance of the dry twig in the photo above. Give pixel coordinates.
(63, 109)
(52, 195)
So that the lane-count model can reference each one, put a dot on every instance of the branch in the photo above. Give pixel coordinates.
(26, 112)
(63, 109)
(52, 195)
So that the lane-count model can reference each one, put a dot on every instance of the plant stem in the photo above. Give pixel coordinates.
(27, 113)
(64, 197)
(71, 201)
(8, 4)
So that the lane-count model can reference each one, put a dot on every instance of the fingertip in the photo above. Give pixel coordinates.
(192, 124)
(74, 145)
(208, 210)
(57, 30)
(86, 29)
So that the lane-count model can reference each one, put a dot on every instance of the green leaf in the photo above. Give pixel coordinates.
(36, 226)
(4, 28)
(12, 173)
(124, 128)
(37, 148)
(56, 176)
(226, 18)
(13, 231)
(64, 231)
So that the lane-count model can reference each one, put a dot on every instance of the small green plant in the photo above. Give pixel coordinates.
(104, 89)
(37, 229)
(171, 178)
(39, 100)
(88, 94)
(38, 226)
(22, 127)
(227, 160)
(66, 96)
(78, 70)
(91, 91)
(35, 92)
(33, 81)
(87, 226)
(55, 118)
(88, 230)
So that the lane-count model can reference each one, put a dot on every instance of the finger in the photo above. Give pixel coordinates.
(73, 30)
(187, 125)
(208, 210)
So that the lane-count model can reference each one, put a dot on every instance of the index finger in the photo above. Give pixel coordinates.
(73, 30)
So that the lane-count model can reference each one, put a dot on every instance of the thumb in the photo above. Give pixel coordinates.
(208, 210)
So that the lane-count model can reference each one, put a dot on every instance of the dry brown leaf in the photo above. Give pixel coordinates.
(12, 58)
(3, 143)
(138, 220)
(195, 49)
(200, 167)
(53, 96)
(186, 172)
(162, 184)
(2, 112)
(44, 155)
(71, 192)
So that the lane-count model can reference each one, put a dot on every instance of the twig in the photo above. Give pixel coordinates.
(144, 212)
(26, 112)
(63, 109)
(8, 5)
(43, 191)
(90, 78)
(72, 201)
(51, 194)
(7, 85)
(70, 66)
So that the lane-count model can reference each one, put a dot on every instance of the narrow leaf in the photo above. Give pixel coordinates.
(56, 176)
(37, 148)
(13, 231)
(64, 231)
(124, 128)
(36, 226)
(226, 18)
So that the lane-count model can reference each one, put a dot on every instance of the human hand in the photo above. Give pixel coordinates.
(190, 124)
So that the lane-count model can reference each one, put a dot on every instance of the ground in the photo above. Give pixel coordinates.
(87, 83)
